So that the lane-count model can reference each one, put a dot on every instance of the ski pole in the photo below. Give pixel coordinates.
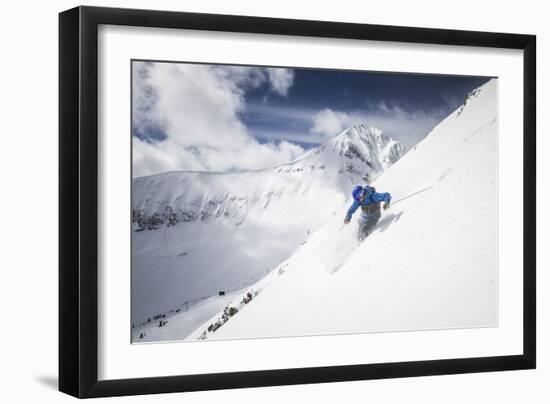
(408, 196)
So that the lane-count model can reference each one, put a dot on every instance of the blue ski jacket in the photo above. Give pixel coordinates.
(371, 197)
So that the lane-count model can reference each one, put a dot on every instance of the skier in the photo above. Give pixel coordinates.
(369, 200)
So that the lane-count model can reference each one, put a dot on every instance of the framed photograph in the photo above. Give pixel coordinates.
(250, 201)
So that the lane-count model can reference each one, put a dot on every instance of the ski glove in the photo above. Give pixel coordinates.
(346, 220)
(386, 205)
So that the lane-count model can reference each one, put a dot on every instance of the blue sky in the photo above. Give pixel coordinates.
(420, 100)
(206, 117)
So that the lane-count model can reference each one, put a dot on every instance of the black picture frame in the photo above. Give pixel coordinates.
(78, 201)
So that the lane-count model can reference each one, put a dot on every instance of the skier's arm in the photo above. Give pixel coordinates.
(381, 197)
(355, 205)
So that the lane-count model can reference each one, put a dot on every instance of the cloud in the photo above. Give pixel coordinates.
(196, 108)
(280, 79)
(408, 127)
(302, 137)
(329, 123)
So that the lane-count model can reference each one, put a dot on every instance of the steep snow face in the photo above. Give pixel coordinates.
(200, 233)
(431, 263)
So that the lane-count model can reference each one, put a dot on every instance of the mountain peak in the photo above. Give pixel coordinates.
(368, 149)
(361, 129)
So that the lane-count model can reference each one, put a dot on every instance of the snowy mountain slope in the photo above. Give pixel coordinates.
(432, 262)
(199, 233)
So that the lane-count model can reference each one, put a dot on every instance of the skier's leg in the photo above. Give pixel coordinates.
(371, 223)
(368, 227)
(361, 234)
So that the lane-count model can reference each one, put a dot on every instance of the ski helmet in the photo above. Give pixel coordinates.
(357, 193)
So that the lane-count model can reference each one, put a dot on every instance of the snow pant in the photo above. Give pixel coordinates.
(367, 223)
